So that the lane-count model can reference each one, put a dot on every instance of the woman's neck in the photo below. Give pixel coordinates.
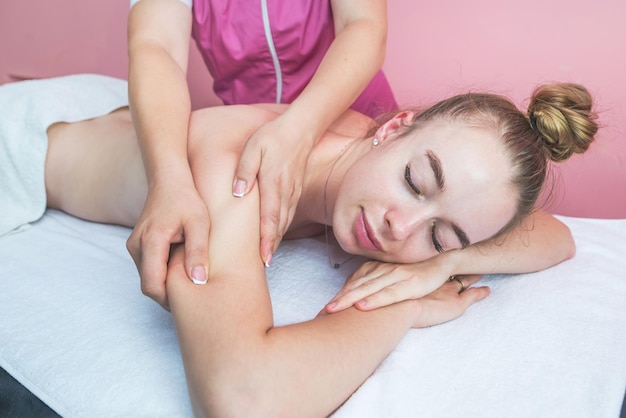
(325, 169)
(326, 166)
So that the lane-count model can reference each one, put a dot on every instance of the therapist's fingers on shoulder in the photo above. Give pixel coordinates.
(197, 249)
(270, 220)
(288, 202)
(247, 168)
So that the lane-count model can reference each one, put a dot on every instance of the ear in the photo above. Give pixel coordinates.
(394, 126)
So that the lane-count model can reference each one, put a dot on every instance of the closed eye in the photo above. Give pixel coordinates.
(409, 181)
(433, 236)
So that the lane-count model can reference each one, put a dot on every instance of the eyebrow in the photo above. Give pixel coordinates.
(435, 165)
(465, 242)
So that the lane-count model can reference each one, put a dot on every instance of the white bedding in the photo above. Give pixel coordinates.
(76, 331)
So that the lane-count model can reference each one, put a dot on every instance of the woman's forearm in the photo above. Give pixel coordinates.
(540, 242)
(238, 364)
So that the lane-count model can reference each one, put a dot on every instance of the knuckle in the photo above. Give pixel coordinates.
(148, 290)
(153, 291)
(270, 219)
(389, 292)
(131, 246)
(369, 285)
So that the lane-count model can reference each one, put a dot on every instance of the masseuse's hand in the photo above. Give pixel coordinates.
(376, 284)
(173, 213)
(277, 156)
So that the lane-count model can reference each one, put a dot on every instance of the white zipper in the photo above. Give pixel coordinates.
(272, 48)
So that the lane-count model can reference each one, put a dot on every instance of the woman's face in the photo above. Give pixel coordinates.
(442, 187)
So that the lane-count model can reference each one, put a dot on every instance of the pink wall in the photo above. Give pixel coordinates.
(435, 49)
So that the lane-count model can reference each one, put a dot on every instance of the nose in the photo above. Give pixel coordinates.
(403, 222)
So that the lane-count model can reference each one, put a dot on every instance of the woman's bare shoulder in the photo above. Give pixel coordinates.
(350, 123)
(228, 126)
(353, 124)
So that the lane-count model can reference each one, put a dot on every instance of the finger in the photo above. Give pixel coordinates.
(197, 250)
(397, 292)
(473, 295)
(368, 271)
(366, 289)
(464, 282)
(287, 214)
(389, 295)
(247, 169)
(152, 267)
(270, 214)
(269, 234)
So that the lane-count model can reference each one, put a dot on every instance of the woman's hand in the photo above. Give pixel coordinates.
(445, 303)
(172, 214)
(277, 154)
(376, 284)
(448, 302)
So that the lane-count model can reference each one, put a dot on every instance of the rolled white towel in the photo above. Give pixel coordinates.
(27, 109)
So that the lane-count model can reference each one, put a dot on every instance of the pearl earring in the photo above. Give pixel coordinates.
(376, 141)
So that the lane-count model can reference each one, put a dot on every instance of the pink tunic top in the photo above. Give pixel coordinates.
(268, 50)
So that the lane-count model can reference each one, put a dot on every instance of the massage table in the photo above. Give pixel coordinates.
(76, 331)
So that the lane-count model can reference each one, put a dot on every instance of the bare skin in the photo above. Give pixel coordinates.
(94, 170)
(158, 44)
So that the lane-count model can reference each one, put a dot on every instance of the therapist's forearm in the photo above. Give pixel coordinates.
(158, 49)
(161, 108)
(355, 56)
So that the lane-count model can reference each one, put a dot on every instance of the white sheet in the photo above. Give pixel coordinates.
(77, 332)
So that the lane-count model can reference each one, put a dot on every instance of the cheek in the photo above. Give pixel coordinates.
(416, 248)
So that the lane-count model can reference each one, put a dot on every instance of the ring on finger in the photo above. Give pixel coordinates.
(456, 279)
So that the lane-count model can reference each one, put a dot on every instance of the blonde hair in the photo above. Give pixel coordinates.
(560, 121)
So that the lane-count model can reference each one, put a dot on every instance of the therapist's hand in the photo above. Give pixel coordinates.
(275, 155)
(173, 213)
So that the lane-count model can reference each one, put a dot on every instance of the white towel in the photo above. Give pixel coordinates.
(27, 109)
(76, 331)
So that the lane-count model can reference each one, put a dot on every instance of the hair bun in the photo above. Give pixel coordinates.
(563, 118)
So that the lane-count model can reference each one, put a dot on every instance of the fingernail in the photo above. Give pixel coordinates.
(332, 305)
(268, 260)
(240, 188)
(198, 275)
(362, 303)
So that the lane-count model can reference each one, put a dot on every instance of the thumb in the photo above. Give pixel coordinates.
(197, 252)
(247, 169)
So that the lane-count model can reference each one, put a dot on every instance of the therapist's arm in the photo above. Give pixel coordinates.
(158, 44)
(277, 151)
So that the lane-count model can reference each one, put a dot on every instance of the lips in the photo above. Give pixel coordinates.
(365, 234)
